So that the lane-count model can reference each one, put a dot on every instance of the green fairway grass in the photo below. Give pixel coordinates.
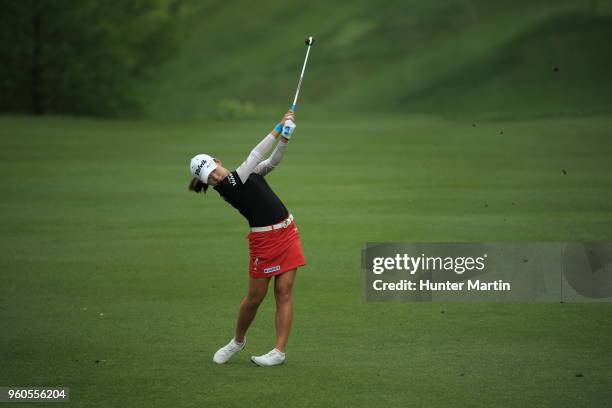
(119, 283)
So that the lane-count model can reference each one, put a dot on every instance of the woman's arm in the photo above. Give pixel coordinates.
(271, 162)
(256, 156)
(258, 153)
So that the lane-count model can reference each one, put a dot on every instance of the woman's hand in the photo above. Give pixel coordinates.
(287, 126)
(277, 131)
(289, 115)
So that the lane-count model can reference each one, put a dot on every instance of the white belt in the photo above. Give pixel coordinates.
(284, 224)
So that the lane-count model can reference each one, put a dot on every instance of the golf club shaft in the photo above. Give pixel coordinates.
(297, 91)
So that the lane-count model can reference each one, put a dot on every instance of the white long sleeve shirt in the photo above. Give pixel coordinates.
(254, 163)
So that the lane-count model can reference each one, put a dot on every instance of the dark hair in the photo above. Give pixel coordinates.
(196, 185)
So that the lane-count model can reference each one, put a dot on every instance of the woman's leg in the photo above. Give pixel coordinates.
(283, 284)
(258, 287)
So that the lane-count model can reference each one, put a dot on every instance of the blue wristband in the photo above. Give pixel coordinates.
(278, 128)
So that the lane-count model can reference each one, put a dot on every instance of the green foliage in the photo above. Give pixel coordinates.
(234, 109)
(451, 57)
(62, 56)
(454, 58)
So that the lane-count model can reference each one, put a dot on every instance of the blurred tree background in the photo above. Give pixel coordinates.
(224, 59)
(81, 57)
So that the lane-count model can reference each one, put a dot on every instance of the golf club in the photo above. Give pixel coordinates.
(289, 125)
(308, 41)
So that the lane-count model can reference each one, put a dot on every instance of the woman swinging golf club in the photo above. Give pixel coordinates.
(275, 248)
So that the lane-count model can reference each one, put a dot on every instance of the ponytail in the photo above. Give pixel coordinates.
(196, 185)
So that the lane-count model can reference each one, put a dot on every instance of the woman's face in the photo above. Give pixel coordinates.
(218, 174)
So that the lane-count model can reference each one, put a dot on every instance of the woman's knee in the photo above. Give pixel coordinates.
(254, 299)
(282, 293)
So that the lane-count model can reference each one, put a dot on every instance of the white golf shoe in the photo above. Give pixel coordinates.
(271, 358)
(226, 352)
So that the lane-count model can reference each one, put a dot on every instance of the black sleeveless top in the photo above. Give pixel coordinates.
(254, 199)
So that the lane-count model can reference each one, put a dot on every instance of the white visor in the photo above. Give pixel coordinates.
(201, 166)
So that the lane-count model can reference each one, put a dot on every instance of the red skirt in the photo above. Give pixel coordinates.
(274, 252)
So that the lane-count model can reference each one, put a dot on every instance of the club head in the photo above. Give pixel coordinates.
(309, 40)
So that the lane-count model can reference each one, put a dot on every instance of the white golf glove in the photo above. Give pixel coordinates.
(288, 128)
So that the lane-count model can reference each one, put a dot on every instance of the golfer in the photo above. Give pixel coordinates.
(275, 249)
